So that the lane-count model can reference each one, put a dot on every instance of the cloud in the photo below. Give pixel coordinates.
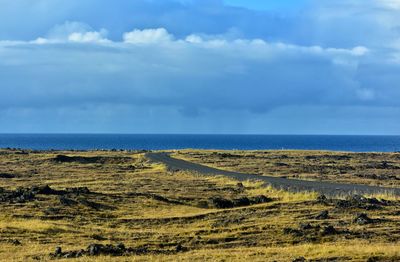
(239, 74)
(147, 36)
(75, 32)
(136, 63)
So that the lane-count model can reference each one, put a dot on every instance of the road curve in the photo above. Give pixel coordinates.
(327, 188)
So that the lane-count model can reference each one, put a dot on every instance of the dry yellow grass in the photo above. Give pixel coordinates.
(142, 205)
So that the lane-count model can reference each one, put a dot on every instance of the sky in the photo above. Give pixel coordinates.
(200, 66)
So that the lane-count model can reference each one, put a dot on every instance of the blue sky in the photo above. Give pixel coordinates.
(200, 66)
(266, 4)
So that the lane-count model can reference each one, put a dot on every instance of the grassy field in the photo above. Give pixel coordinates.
(117, 206)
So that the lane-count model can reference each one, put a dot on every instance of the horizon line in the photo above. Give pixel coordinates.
(194, 134)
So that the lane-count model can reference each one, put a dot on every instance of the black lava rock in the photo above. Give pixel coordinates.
(363, 219)
(323, 215)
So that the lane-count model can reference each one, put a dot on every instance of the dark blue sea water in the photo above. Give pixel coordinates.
(154, 142)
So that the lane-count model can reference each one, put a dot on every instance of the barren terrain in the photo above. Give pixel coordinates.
(118, 206)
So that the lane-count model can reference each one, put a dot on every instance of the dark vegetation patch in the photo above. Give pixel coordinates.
(6, 175)
(312, 233)
(226, 155)
(355, 201)
(22, 195)
(91, 160)
(363, 219)
(113, 250)
(219, 202)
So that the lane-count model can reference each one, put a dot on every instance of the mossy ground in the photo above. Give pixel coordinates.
(140, 204)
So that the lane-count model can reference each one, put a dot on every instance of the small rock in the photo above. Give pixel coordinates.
(221, 202)
(373, 259)
(44, 190)
(323, 215)
(329, 230)
(80, 253)
(363, 219)
(58, 251)
(94, 249)
(305, 226)
(322, 198)
(15, 242)
(6, 175)
(178, 248)
(69, 255)
(243, 201)
(300, 259)
(121, 246)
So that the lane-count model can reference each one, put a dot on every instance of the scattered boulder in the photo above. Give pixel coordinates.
(323, 215)
(221, 202)
(78, 159)
(180, 248)
(329, 230)
(90, 160)
(44, 190)
(358, 201)
(22, 195)
(354, 201)
(260, 199)
(15, 242)
(243, 201)
(305, 226)
(363, 219)
(374, 259)
(322, 199)
(225, 155)
(6, 175)
(292, 231)
(58, 251)
(111, 250)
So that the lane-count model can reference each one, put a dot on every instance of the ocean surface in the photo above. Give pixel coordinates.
(156, 142)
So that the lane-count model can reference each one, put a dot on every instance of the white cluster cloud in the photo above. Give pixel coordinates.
(74, 32)
(148, 36)
(88, 37)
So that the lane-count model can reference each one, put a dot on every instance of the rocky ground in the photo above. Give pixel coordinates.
(117, 206)
(381, 169)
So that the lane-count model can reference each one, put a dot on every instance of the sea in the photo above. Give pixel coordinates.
(226, 142)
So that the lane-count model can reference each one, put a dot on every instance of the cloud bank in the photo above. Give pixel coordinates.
(200, 67)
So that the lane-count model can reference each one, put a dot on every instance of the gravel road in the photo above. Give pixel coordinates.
(327, 188)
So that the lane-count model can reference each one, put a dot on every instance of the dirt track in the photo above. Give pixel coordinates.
(288, 184)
